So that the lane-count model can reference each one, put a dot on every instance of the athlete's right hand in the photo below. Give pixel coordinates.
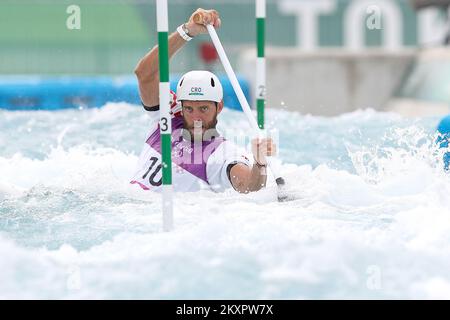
(262, 148)
(208, 17)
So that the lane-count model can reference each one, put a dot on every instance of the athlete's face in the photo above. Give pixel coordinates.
(200, 115)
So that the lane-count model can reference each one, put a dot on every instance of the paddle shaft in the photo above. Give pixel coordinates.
(237, 88)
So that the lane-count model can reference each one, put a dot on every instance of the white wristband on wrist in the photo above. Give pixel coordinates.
(183, 33)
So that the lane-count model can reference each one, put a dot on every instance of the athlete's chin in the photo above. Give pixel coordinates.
(198, 130)
(203, 133)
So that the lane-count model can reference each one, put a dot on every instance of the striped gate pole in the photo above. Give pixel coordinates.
(261, 61)
(165, 123)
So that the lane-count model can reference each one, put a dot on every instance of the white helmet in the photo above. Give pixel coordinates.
(199, 86)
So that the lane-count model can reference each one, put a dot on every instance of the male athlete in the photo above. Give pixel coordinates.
(201, 157)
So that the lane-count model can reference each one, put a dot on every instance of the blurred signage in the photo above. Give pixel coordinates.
(359, 17)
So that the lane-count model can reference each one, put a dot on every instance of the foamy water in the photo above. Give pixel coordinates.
(370, 219)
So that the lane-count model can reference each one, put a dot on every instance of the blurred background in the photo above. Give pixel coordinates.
(324, 57)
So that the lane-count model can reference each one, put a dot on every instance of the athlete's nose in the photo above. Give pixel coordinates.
(197, 116)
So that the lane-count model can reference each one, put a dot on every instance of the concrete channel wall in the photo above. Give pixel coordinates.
(329, 82)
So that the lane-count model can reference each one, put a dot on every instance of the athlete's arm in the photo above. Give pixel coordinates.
(245, 179)
(147, 70)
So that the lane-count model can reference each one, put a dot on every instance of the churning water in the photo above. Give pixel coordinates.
(371, 218)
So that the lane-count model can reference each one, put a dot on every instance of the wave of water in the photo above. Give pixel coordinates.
(370, 219)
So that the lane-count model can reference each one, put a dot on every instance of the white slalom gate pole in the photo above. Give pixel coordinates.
(242, 100)
(165, 122)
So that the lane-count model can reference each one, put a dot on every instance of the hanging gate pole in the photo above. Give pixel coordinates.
(165, 122)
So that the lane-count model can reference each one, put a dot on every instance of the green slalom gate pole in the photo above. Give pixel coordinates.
(261, 61)
(165, 122)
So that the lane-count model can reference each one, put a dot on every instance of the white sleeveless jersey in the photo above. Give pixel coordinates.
(195, 166)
